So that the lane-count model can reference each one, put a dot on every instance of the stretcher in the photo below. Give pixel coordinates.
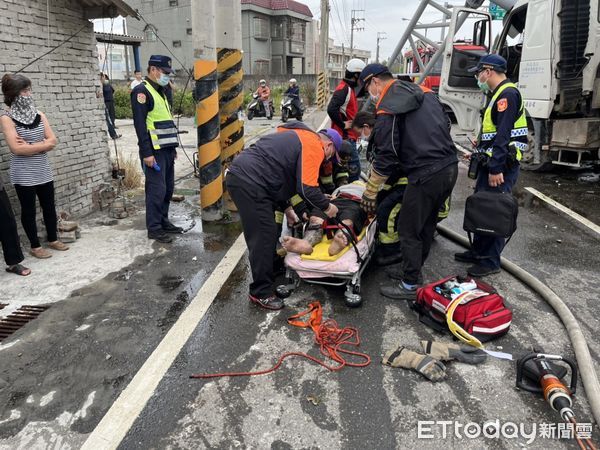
(344, 269)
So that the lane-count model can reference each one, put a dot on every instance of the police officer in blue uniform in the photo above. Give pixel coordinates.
(157, 141)
(502, 140)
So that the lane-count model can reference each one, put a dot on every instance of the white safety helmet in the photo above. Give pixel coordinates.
(262, 82)
(292, 80)
(355, 65)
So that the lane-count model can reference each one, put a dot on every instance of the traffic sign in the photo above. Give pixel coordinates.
(497, 12)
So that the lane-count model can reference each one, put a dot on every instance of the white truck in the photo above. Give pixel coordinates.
(553, 52)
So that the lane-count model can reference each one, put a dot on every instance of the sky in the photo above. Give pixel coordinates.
(379, 16)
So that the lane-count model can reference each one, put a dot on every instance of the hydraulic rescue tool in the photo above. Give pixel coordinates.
(543, 373)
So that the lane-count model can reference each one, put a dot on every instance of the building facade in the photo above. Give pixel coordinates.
(339, 55)
(64, 87)
(278, 36)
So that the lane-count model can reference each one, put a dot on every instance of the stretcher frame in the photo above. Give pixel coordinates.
(352, 280)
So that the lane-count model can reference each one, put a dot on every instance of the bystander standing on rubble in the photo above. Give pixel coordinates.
(30, 138)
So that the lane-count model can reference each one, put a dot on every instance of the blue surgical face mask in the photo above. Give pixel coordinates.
(164, 79)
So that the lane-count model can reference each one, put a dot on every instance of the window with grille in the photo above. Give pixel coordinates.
(277, 30)
(176, 44)
(261, 28)
(261, 67)
(297, 31)
(188, 31)
(173, 2)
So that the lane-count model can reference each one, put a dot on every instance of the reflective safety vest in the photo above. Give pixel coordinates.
(159, 121)
(488, 130)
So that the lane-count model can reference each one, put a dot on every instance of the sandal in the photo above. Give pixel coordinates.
(40, 252)
(19, 269)
(57, 245)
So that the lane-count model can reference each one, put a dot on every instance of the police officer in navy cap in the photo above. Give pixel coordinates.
(501, 143)
(157, 141)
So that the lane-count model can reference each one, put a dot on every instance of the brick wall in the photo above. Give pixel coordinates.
(64, 88)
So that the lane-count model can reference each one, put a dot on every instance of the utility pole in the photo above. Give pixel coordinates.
(380, 37)
(207, 108)
(323, 76)
(231, 83)
(126, 47)
(324, 35)
(353, 22)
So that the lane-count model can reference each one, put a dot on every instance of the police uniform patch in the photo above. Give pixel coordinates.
(141, 98)
(502, 104)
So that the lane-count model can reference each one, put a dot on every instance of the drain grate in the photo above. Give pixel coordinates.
(19, 318)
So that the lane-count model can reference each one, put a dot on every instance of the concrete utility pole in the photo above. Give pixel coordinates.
(324, 35)
(380, 37)
(323, 76)
(353, 21)
(207, 108)
(231, 83)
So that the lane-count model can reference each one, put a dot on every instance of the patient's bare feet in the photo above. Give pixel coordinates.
(295, 245)
(338, 243)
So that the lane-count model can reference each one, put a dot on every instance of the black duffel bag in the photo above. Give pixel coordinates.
(491, 213)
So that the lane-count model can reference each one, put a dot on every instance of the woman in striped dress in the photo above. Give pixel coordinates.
(29, 137)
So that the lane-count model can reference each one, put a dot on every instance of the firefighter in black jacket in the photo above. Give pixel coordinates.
(411, 134)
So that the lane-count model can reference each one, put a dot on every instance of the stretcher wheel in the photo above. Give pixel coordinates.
(352, 296)
(283, 291)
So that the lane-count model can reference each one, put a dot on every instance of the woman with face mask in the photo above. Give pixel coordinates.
(30, 138)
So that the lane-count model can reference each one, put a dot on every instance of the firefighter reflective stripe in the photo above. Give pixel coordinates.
(278, 217)
(402, 181)
(444, 210)
(326, 179)
(159, 121)
(388, 234)
(488, 130)
(296, 200)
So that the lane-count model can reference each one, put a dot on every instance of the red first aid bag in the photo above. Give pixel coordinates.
(481, 312)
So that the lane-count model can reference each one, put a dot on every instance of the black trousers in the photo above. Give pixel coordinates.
(45, 194)
(418, 217)
(109, 113)
(159, 188)
(257, 213)
(11, 246)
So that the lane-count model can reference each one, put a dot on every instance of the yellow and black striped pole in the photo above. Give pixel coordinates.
(207, 109)
(231, 79)
(231, 99)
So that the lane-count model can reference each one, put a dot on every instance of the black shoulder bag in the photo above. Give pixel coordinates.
(491, 213)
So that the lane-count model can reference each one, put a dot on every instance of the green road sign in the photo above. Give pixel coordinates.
(496, 12)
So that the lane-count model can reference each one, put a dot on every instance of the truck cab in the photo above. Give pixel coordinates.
(552, 48)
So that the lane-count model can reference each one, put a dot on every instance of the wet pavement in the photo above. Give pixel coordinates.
(70, 364)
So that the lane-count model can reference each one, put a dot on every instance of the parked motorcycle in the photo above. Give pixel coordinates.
(257, 109)
(289, 110)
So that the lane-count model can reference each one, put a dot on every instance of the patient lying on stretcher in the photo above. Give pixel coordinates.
(347, 199)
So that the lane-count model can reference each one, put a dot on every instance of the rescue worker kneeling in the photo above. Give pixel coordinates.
(347, 199)
(266, 175)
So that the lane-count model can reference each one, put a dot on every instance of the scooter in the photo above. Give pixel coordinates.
(256, 108)
(289, 111)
